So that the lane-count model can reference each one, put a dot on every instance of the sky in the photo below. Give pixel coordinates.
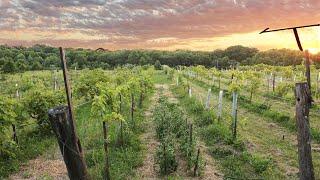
(158, 24)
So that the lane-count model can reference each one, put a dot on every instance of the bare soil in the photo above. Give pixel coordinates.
(43, 168)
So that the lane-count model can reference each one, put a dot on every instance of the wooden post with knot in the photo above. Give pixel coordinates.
(303, 103)
(69, 143)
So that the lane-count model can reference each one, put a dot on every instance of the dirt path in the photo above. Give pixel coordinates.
(43, 167)
(148, 170)
(209, 171)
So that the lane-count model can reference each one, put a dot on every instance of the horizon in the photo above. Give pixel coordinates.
(197, 25)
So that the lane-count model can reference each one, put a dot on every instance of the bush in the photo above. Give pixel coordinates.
(39, 101)
(157, 65)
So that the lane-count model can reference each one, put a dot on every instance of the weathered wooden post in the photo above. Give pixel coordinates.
(208, 99)
(63, 125)
(273, 81)
(106, 167)
(196, 166)
(307, 64)
(303, 99)
(14, 131)
(220, 105)
(69, 143)
(14, 135)
(234, 113)
(190, 137)
(190, 91)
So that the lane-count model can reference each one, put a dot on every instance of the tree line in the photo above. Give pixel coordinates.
(39, 57)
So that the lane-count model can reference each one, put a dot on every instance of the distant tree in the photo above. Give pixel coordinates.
(157, 65)
(21, 65)
(36, 65)
(134, 57)
(52, 60)
(240, 53)
(9, 67)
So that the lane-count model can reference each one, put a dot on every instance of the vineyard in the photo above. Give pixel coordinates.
(142, 122)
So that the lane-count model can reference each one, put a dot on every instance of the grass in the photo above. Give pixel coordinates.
(265, 138)
(284, 119)
(232, 154)
(31, 145)
(123, 159)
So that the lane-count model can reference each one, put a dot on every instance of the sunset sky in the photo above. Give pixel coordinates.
(158, 24)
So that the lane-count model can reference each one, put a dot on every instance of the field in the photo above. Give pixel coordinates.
(168, 122)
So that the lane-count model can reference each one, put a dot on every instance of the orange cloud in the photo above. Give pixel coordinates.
(155, 24)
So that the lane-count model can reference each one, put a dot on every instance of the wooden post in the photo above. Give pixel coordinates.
(165, 158)
(70, 147)
(71, 129)
(196, 166)
(303, 99)
(190, 138)
(219, 82)
(67, 87)
(273, 81)
(307, 64)
(14, 135)
(106, 167)
(234, 113)
(208, 99)
(220, 105)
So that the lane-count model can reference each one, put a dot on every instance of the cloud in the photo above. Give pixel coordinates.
(129, 23)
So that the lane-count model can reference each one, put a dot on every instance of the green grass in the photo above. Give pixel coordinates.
(262, 109)
(232, 155)
(123, 160)
(31, 145)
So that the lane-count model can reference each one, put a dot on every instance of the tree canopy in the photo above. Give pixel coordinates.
(38, 57)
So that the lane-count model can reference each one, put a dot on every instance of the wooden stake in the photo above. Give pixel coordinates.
(69, 143)
(303, 99)
(106, 167)
(273, 81)
(67, 88)
(196, 166)
(307, 64)
(14, 135)
(234, 113)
